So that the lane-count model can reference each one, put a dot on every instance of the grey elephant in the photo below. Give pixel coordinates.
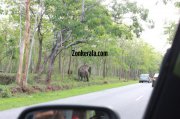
(84, 72)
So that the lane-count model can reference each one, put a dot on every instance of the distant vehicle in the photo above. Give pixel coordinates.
(145, 78)
(154, 79)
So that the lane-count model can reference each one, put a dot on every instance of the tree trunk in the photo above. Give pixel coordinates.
(76, 64)
(120, 73)
(8, 68)
(24, 47)
(57, 49)
(51, 64)
(100, 70)
(69, 64)
(10, 71)
(40, 38)
(104, 68)
(31, 66)
(39, 56)
(30, 62)
(27, 41)
(62, 69)
(60, 63)
(50, 69)
(97, 70)
(21, 57)
(20, 18)
(83, 12)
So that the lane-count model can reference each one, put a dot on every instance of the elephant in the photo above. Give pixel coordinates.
(84, 72)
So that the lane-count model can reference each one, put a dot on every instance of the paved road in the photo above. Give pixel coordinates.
(130, 101)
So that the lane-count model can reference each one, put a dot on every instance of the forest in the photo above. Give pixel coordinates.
(37, 38)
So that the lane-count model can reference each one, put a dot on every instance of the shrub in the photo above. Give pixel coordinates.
(6, 79)
(5, 93)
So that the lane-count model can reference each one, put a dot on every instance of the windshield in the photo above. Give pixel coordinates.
(84, 52)
(144, 75)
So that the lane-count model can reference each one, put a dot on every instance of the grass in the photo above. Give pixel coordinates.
(25, 100)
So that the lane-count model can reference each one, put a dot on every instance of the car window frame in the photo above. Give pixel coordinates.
(164, 76)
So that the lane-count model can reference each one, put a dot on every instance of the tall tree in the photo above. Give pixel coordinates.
(24, 48)
(68, 25)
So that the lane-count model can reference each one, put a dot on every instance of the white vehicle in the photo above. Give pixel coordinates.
(144, 78)
(154, 79)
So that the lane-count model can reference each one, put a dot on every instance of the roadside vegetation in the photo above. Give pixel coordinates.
(40, 97)
(14, 90)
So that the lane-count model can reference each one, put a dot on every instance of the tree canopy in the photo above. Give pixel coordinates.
(59, 26)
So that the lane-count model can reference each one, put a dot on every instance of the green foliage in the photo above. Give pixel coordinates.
(5, 93)
(120, 11)
(103, 29)
(25, 100)
(6, 78)
(177, 4)
(170, 30)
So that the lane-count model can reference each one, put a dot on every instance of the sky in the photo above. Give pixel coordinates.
(160, 14)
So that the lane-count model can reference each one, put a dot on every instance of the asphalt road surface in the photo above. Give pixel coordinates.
(129, 101)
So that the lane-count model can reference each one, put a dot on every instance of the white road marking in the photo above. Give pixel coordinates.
(139, 98)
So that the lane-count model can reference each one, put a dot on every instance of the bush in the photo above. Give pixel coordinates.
(6, 93)
(6, 79)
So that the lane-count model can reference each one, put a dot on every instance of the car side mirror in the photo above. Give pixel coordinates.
(68, 112)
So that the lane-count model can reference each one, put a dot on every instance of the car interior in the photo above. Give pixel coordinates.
(164, 102)
(68, 112)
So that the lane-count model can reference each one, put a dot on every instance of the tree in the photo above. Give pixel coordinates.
(62, 25)
(24, 48)
(170, 28)
(130, 11)
(69, 28)
(170, 31)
